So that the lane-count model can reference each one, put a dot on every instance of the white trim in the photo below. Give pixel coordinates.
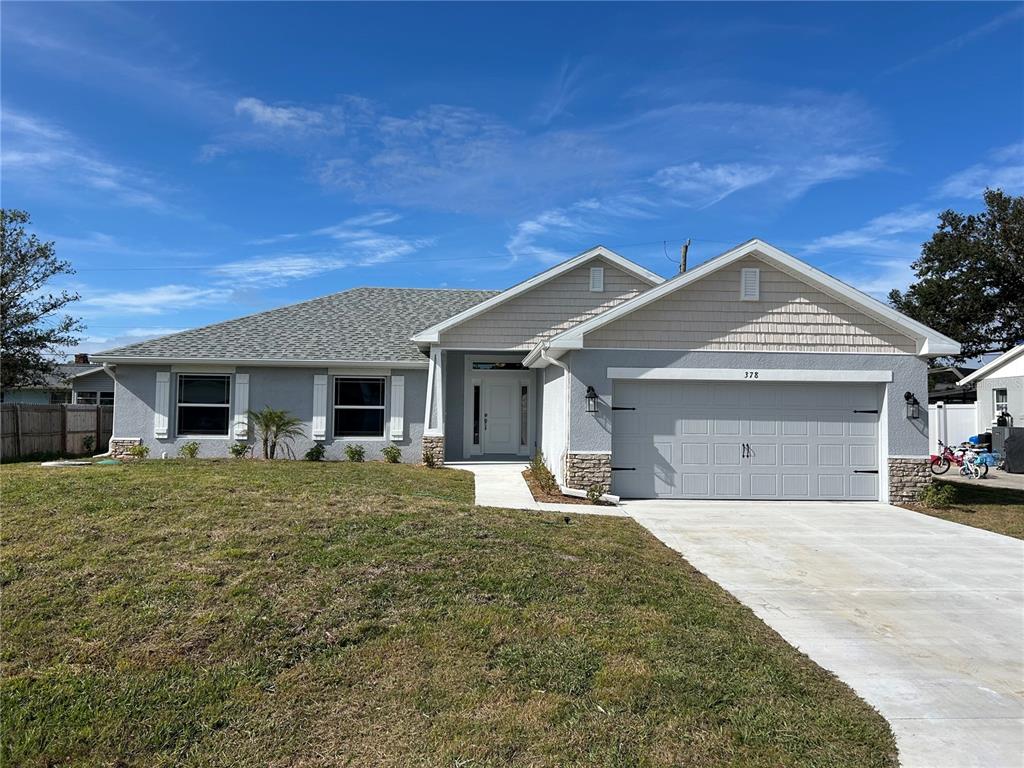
(89, 373)
(990, 367)
(907, 456)
(217, 370)
(931, 343)
(883, 447)
(397, 431)
(240, 430)
(753, 375)
(162, 404)
(590, 453)
(358, 372)
(432, 335)
(535, 360)
(435, 396)
(261, 362)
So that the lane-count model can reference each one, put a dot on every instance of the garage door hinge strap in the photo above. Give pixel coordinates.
(622, 408)
(865, 471)
(865, 411)
(623, 469)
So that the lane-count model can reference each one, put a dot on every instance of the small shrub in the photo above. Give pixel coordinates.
(595, 492)
(937, 496)
(139, 451)
(392, 453)
(239, 450)
(316, 453)
(189, 450)
(542, 475)
(355, 452)
(89, 443)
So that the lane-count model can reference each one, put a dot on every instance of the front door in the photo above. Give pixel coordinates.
(501, 417)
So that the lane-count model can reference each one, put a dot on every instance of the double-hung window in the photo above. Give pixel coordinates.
(87, 397)
(1000, 400)
(204, 404)
(359, 407)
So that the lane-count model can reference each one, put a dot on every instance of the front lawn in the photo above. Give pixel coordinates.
(983, 506)
(251, 613)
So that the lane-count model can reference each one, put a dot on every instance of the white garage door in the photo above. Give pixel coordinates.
(745, 440)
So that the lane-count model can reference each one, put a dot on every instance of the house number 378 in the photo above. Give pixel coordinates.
(750, 374)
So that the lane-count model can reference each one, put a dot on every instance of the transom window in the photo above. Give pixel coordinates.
(1000, 400)
(359, 407)
(482, 365)
(87, 397)
(204, 404)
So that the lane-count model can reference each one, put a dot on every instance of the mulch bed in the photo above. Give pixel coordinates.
(539, 494)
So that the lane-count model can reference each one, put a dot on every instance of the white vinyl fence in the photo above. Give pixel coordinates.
(952, 424)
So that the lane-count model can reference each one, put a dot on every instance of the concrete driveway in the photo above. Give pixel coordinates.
(922, 617)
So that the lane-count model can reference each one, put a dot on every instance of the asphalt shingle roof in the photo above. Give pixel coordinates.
(364, 324)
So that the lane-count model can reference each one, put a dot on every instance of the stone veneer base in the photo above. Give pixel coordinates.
(434, 446)
(907, 478)
(583, 470)
(119, 446)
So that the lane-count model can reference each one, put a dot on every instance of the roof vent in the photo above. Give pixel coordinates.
(750, 284)
(597, 279)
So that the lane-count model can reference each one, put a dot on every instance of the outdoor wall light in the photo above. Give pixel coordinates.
(591, 397)
(913, 406)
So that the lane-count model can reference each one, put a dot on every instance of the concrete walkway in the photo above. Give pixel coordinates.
(922, 617)
(995, 479)
(501, 484)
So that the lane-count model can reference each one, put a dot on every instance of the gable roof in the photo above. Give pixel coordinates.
(432, 334)
(361, 325)
(930, 343)
(991, 367)
(62, 375)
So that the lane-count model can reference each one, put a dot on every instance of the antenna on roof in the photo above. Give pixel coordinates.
(682, 255)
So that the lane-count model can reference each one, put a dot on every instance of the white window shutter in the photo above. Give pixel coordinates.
(161, 404)
(319, 407)
(750, 284)
(241, 406)
(397, 407)
(597, 279)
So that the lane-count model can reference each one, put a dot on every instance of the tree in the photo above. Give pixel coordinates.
(273, 427)
(970, 277)
(31, 333)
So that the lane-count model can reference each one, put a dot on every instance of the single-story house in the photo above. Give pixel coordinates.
(81, 382)
(752, 376)
(944, 385)
(1000, 386)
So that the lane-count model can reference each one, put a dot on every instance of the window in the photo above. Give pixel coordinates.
(750, 284)
(597, 279)
(203, 404)
(524, 410)
(86, 398)
(476, 414)
(106, 398)
(1000, 401)
(60, 396)
(359, 407)
(487, 366)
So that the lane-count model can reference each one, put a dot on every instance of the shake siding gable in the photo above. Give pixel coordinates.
(789, 316)
(548, 309)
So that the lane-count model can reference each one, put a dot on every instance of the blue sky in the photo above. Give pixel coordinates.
(197, 162)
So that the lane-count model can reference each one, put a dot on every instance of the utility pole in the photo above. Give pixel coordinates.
(682, 255)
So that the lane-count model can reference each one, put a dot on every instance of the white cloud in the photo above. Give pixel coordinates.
(280, 269)
(38, 152)
(150, 333)
(280, 117)
(705, 185)
(157, 300)
(562, 92)
(956, 43)
(1004, 169)
(881, 234)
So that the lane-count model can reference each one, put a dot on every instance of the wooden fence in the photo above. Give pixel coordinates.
(36, 430)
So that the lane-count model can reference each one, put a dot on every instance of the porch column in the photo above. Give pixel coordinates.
(433, 417)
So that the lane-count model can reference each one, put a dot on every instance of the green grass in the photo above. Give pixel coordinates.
(293, 613)
(983, 506)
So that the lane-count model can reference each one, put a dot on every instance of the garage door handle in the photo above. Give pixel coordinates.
(865, 471)
(622, 408)
(855, 411)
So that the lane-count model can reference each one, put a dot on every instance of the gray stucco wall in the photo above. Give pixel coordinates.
(94, 382)
(1014, 386)
(592, 432)
(287, 388)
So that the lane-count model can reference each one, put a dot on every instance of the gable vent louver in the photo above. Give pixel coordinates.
(750, 284)
(597, 279)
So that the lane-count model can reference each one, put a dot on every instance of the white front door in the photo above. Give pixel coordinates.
(501, 416)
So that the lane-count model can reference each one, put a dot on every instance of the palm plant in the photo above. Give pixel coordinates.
(274, 426)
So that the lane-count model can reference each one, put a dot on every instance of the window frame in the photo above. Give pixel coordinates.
(382, 407)
(1005, 400)
(178, 405)
(92, 399)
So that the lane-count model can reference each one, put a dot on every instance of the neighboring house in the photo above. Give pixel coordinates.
(1000, 386)
(944, 385)
(79, 382)
(752, 376)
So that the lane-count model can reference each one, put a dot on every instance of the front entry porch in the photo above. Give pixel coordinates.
(483, 405)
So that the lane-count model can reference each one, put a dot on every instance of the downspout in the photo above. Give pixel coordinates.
(568, 391)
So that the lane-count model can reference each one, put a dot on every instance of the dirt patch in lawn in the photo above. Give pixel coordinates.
(539, 494)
